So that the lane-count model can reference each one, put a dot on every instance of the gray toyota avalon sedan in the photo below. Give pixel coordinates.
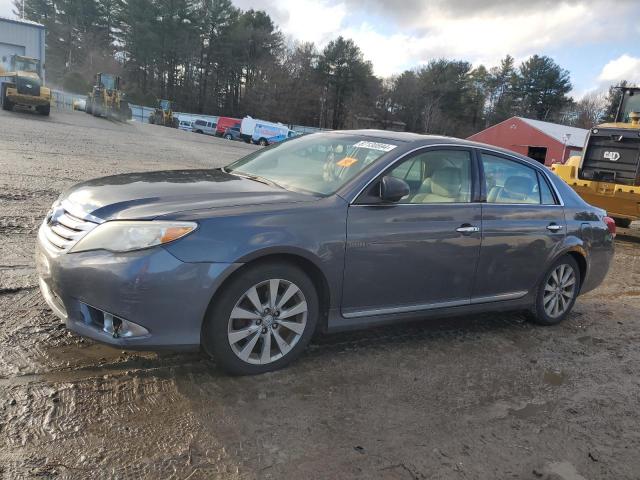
(325, 232)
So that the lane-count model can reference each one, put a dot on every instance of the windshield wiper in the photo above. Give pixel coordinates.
(256, 178)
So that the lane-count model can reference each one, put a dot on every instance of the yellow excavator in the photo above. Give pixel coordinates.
(163, 115)
(21, 85)
(607, 174)
(106, 98)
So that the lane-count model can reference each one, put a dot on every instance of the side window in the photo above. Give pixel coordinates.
(546, 196)
(437, 176)
(508, 181)
(409, 171)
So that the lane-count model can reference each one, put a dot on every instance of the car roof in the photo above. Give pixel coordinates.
(419, 139)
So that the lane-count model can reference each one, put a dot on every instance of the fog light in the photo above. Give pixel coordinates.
(118, 327)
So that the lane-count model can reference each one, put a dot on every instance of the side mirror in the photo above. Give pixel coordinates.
(393, 189)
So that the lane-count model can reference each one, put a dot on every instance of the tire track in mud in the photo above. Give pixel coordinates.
(142, 428)
(28, 329)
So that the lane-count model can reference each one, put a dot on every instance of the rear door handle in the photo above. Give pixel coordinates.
(467, 229)
(554, 227)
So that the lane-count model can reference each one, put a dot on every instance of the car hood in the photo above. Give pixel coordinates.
(152, 194)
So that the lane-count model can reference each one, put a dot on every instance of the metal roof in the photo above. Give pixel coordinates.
(575, 137)
(21, 21)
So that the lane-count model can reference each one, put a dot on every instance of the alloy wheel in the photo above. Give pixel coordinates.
(267, 321)
(559, 290)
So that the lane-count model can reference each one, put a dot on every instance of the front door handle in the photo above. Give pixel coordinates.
(554, 227)
(467, 229)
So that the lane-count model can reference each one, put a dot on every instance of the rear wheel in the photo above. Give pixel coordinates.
(262, 320)
(228, 137)
(557, 292)
(623, 222)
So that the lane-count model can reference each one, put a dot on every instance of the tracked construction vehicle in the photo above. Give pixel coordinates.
(608, 173)
(163, 115)
(21, 85)
(106, 98)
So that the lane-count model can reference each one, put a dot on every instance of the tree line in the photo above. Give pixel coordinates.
(210, 57)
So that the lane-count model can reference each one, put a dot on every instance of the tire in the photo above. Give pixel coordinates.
(565, 267)
(263, 330)
(199, 131)
(44, 110)
(228, 137)
(152, 119)
(6, 103)
(263, 142)
(623, 222)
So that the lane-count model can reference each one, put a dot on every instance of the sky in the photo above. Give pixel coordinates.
(596, 40)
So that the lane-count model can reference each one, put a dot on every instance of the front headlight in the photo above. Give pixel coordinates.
(125, 236)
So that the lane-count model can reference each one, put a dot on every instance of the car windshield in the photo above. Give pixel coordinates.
(319, 163)
(108, 81)
(26, 65)
(631, 103)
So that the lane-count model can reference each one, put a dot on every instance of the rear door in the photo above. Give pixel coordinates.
(522, 226)
(421, 252)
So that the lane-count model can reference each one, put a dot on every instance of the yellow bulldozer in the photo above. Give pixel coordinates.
(163, 115)
(106, 98)
(21, 85)
(607, 174)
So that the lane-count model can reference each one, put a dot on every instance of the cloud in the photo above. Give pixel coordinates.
(625, 67)
(303, 20)
(402, 34)
(6, 8)
(407, 12)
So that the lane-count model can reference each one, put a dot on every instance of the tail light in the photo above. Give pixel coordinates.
(611, 225)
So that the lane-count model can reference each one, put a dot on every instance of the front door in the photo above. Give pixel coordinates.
(522, 224)
(421, 252)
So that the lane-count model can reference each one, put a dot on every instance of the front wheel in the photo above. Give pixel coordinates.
(622, 222)
(557, 292)
(262, 320)
(44, 110)
(263, 142)
(228, 137)
(6, 103)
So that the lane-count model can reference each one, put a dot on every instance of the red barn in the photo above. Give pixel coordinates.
(543, 141)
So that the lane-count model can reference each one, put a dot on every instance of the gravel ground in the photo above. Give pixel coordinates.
(478, 397)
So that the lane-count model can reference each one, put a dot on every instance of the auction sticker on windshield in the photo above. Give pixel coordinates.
(383, 147)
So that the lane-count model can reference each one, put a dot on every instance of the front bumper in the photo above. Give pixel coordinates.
(151, 288)
(28, 100)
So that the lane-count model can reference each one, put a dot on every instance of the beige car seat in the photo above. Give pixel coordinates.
(445, 185)
(517, 189)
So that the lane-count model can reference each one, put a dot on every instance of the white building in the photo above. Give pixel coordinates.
(22, 37)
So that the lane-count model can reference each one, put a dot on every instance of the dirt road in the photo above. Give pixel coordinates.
(483, 397)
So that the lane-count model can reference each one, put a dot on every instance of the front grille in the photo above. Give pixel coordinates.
(62, 230)
(28, 86)
(612, 156)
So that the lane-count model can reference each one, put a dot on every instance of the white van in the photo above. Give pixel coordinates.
(262, 132)
(204, 126)
(247, 126)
